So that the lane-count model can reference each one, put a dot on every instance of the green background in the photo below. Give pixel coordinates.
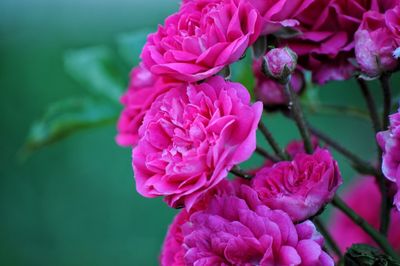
(74, 203)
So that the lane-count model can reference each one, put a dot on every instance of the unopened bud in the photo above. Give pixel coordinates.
(279, 64)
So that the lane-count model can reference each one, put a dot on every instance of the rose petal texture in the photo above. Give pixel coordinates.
(374, 45)
(300, 187)
(191, 137)
(389, 141)
(327, 40)
(364, 197)
(200, 39)
(143, 89)
(235, 228)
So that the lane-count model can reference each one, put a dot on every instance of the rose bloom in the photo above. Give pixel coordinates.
(300, 187)
(364, 197)
(271, 92)
(143, 89)
(237, 229)
(278, 14)
(327, 40)
(191, 137)
(374, 45)
(297, 146)
(389, 141)
(202, 38)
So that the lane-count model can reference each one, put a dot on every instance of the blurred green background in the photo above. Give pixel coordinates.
(74, 203)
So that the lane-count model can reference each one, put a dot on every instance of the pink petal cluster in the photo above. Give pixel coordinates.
(375, 41)
(143, 89)
(202, 38)
(271, 92)
(300, 187)
(389, 142)
(297, 146)
(364, 198)
(281, 13)
(327, 40)
(238, 229)
(191, 137)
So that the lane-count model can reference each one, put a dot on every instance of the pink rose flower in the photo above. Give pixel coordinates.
(271, 92)
(202, 38)
(327, 40)
(374, 45)
(300, 187)
(143, 89)
(389, 141)
(237, 229)
(364, 198)
(191, 137)
(281, 13)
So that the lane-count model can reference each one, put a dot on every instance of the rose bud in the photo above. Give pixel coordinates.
(279, 63)
(300, 187)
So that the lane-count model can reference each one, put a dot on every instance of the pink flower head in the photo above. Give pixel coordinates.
(143, 89)
(374, 45)
(202, 38)
(300, 187)
(389, 141)
(364, 198)
(327, 40)
(191, 137)
(279, 63)
(271, 92)
(237, 229)
(281, 13)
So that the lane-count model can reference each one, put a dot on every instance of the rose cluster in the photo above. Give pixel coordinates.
(189, 125)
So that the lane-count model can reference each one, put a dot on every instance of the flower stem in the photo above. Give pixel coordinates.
(328, 237)
(387, 99)
(380, 239)
(373, 113)
(358, 163)
(239, 172)
(297, 113)
(266, 154)
(272, 142)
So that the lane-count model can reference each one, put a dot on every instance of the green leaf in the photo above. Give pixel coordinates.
(95, 69)
(67, 117)
(361, 254)
(130, 46)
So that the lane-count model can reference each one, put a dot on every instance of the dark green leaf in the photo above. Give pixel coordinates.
(361, 254)
(67, 117)
(95, 69)
(130, 46)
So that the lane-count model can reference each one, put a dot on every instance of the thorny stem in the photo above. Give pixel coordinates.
(385, 203)
(298, 116)
(387, 99)
(327, 236)
(239, 172)
(272, 142)
(266, 154)
(380, 239)
(373, 113)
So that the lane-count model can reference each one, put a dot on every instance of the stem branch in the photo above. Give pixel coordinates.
(375, 235)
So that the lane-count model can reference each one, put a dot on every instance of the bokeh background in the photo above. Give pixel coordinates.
(74, 202)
